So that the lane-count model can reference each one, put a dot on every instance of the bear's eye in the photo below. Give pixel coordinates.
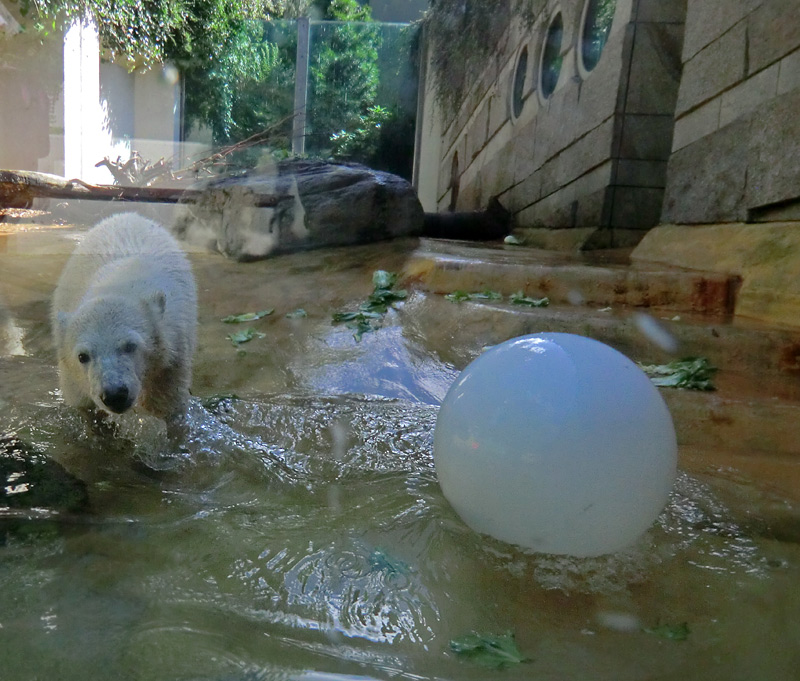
(83, 357)
(129, 348)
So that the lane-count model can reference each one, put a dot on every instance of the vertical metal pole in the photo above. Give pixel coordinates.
(301, 86)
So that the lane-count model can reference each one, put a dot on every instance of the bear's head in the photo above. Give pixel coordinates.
(107, 345)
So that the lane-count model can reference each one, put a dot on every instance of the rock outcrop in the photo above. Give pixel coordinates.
(303, 204)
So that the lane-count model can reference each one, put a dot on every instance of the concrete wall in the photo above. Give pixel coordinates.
(62, 110)
(736, 148)
(87, 138)
(594, 154)
(691, 116)
(142, 112)
(31, 126)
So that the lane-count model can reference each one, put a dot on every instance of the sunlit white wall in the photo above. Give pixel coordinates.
(84, 143)
(110, 112)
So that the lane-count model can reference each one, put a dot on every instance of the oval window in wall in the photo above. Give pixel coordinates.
(551, 57)
(518, 90)
(598, 16)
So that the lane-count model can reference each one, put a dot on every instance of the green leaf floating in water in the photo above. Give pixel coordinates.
(519, 298)
(383, 279)
(381, 300)
(673, 632)
(244, 336)
(461, 296)
(355, 316)
(689, 373)
(246, 317)
(489, 650)
(457, 296)
(370, 312)
(486, 294)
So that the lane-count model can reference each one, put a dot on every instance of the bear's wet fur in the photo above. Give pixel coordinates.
(124, 320)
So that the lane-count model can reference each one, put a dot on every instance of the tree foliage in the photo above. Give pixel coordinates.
(150, 31)
(464, 35)
(343, 72)
(237, 64)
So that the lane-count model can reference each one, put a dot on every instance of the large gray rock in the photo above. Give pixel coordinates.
(300, 205)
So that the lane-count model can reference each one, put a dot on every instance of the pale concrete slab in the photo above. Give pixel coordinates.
(765, 256)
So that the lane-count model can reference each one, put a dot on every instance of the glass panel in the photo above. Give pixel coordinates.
(362, 94)
(551, 56)
(247, 91)
(599, 15)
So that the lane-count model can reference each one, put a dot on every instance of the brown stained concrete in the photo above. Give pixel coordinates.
(442, 267)
(765, 256)
(746, 430)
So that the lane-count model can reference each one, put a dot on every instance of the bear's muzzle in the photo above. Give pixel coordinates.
(117, 398)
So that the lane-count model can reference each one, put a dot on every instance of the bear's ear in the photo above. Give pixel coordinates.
(157, 303)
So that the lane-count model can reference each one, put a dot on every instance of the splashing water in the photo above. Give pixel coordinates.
(294, 534)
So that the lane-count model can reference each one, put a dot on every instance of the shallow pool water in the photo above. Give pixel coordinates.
(300, 532)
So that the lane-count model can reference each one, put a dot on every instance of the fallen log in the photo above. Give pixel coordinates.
(18, 189)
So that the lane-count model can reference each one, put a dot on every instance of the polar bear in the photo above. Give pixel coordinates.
(124, 320)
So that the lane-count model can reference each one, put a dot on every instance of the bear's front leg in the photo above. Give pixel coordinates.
(166, 395)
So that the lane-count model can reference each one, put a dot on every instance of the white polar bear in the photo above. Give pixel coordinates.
(124, 320)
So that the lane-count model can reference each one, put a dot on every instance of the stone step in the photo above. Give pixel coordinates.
(753, 359)
(745, 426)
(755, 410)
(592, 279)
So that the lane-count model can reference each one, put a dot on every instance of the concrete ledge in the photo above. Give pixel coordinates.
(578, 238)
(765, 256)
(444, 267)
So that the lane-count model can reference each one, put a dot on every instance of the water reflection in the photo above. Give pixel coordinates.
(382, 363)
(305, 536)
(11, 334)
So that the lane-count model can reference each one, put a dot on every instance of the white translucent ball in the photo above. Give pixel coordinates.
(557, 443)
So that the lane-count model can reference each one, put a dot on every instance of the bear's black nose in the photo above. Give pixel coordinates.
(117, 398)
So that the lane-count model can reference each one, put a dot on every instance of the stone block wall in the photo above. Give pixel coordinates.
(736, 147)
(593, 154)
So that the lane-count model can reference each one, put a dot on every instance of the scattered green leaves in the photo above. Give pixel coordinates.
(486, 294)
(361, 322)
(244, 336)
(461, 296)
(689, 373)
(381, 279)
(458, 296)
(519, 298)
(359, 316)
(673, 632)
(370, 312)
(489, 650)
(381, 300)
(247, 316)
